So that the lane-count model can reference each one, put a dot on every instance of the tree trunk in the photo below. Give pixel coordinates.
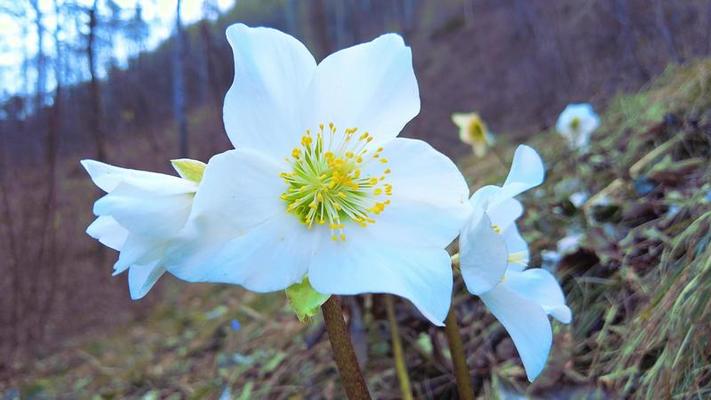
(95, 111)
(179, 84)
(41, 59)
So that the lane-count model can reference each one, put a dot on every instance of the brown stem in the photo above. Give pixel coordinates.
(398, 354)
(461, 370)
(343, 352)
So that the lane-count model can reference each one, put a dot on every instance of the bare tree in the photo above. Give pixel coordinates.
(95, 111)
(622, 15)
(665, 31)
(41, 58)
(179, 83)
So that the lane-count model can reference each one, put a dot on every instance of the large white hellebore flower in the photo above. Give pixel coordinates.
(141, 212)
(473, 131)
(493, 256)
(576, 123)
(319, 184)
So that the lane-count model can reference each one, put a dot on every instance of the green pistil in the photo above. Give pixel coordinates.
(325, 184)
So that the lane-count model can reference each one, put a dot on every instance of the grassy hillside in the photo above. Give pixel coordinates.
(639, 284)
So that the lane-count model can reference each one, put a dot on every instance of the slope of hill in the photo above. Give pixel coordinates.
(638, 282)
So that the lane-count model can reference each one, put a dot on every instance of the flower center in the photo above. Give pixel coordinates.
(477, 130)
(575, 124)
(326, 183)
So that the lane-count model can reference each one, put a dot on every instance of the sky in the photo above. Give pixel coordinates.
(14, 42)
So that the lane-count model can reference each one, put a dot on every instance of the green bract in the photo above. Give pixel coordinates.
(191, 170)
(304, 300)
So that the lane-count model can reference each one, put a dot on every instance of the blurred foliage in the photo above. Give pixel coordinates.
(638, 283)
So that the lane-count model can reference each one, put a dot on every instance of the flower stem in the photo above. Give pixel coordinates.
(400, 366)
(461, 370)
(343, 352)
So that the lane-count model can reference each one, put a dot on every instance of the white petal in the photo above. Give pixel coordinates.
(591, 123)
(108, 177)
(141, 279)
(562, 125)
(107, 231)
(504, 213)
(527, 324)
(239, 190)
(540, 286)
(239, 231)
(429, 203)
(526, 172)
(145, 212)
(268, 257)
(515, 244)
(462, 120)
(371, 86)
(263, 108)
(483, 196)
(482, 254)
(361, 264)
(138, 250)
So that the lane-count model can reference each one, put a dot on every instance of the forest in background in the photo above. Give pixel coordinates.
(517, 62)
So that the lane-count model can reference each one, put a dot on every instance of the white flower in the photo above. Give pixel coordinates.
(570, 243)
(319, 184)
(576, 123)
(578, 199)
(493, 256)
(473, 131)
(138, 216)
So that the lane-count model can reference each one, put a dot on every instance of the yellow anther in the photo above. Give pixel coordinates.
(378, 191)
(519, 258)
(387, 171)
(496, 228)
(383, 160)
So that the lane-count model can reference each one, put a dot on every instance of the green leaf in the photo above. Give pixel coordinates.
(191, 170)
(304, 300)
